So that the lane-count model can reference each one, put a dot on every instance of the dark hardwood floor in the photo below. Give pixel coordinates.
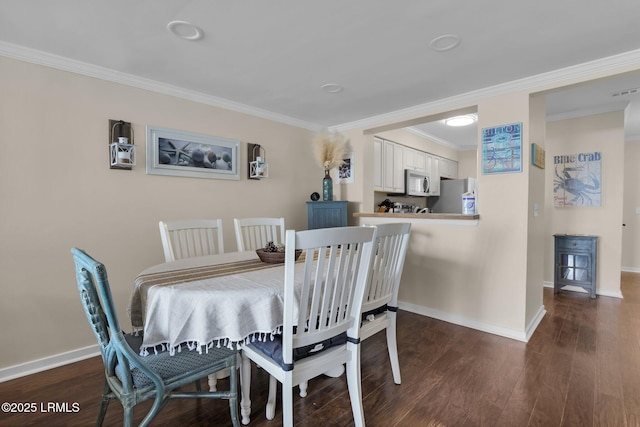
(580, 368)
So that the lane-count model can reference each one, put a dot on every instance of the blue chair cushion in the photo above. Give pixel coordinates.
(167, 366)
(273, 348)
(375, 312)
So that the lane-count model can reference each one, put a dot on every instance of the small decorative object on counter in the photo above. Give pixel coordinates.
(315, 196)
(385, 206)
(468, 204)
(331, 150)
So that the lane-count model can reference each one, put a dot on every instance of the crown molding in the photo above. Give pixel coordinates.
(602, 67)
(623, 62)
(440, 141)
(78, 67)
(601, 109)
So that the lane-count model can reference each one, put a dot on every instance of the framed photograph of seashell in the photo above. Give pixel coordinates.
(178, 153)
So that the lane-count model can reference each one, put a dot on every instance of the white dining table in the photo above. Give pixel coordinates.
(226, 299)
(218, 300)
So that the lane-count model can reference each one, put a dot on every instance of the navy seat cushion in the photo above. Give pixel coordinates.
(168, 366)
(273, 348)
(375, 311)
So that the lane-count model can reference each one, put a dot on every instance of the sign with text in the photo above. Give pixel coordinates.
(577, 179)
(502, 149)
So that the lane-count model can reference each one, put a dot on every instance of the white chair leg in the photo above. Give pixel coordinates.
(213, 381)
(354, 384)
(303, 388)
(245, 389)
(270, 410)
(392, 346)
(287, 402)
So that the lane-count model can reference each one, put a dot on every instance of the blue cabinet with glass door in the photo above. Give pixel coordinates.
(575, 262)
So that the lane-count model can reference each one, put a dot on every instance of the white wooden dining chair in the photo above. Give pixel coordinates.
(191, 238)
(321, 319)
(255, 233)
(380, 302)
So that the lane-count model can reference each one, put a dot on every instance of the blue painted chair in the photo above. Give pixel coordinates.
(132, 378)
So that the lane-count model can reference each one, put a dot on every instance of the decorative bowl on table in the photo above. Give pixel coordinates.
(274, 254)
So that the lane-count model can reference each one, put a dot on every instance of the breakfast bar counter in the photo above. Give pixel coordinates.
(405, 216)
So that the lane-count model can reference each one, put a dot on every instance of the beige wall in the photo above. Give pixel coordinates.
(468, 163)
(535, 213)
(477, 275)
(603, 133)
(57, 191)
(631, 232)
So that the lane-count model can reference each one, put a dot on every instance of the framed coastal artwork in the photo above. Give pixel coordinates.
(179, 153)
(502, 149)
(577, 179)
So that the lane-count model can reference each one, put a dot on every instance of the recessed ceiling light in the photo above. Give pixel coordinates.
(445, 42)
(185, 30)
(460, 120)
(332, 88)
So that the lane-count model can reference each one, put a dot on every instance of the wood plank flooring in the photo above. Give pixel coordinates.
(580, 368)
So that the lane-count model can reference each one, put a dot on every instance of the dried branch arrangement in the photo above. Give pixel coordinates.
(331, 149)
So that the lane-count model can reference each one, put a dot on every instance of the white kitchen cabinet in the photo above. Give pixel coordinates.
(414, 160)
(391, 159)
(378, 165)
(434, 188)
(398, 169)
(448, 168)
(392, 169)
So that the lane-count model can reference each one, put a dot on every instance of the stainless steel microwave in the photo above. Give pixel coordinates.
(416, 184)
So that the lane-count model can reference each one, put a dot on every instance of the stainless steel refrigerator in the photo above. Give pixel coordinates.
(451, 191)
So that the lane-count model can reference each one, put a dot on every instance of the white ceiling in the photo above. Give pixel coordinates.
(270, 58)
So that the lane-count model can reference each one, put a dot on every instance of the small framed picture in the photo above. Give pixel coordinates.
(345, 171)
(178, 153)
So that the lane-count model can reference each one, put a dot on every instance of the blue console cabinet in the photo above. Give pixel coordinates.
(327, 214)
(575, 262)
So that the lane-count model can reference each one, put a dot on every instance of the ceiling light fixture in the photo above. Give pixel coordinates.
(185, 30)
(444, 42)
(460, 120)
(332, 88)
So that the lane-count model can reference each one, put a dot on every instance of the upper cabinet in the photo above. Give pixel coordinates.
(414, 159)
(388, 174)
(434, 188)
(391, 159)
(448, 168)
(378, 166)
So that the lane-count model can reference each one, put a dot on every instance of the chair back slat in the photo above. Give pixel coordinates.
(191, 238)
(255, 233)
(328, 294)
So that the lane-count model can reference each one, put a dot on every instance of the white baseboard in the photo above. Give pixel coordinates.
(631, 269)
(531, 328)
(578, 289)
(473, 324)
(35, 366)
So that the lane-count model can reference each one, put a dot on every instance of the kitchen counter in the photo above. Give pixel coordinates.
(442, 216)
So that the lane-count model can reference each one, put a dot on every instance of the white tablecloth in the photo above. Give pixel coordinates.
(222, 310)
